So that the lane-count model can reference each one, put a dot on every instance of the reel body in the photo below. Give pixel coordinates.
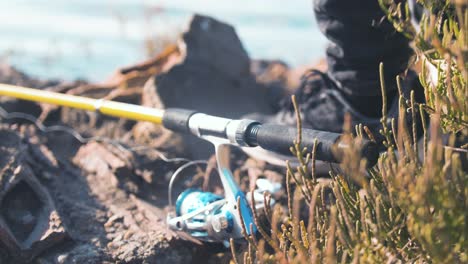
(210, 217)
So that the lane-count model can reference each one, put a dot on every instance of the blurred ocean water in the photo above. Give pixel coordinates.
(70, 39)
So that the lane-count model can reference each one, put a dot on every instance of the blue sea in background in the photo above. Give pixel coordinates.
(89, 39)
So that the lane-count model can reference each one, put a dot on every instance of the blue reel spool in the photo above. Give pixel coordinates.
(193, 199)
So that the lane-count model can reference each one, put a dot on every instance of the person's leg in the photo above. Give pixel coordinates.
(360, 38)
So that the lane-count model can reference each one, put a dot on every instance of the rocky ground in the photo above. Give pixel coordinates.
(67, 199)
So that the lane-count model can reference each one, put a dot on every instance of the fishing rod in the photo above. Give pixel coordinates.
(204, 215)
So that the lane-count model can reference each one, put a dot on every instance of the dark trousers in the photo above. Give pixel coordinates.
(360, 38)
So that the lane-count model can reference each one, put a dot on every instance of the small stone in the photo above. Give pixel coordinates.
(110, 245)
(62, 258)
(128, 234)
(118, 238)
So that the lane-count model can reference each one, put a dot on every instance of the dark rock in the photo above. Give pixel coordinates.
(275, 75)
(29, 222)
(214, 43)
(10, 75)
(213, 77)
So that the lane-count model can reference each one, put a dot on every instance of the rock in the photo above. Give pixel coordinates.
(10, 75)
(275, 75)
(213, 77)
(82, 254)
(150, 134)
(211, 42)
(29, 222)
(97, 159)
(132, 221)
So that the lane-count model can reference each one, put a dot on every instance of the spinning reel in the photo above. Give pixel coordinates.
(213, 218)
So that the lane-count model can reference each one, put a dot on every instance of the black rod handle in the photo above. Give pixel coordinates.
(330, 148)
(277, 138)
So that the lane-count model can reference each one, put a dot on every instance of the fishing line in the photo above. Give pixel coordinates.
(82, 139)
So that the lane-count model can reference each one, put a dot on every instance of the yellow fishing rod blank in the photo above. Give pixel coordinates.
(111, 108)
